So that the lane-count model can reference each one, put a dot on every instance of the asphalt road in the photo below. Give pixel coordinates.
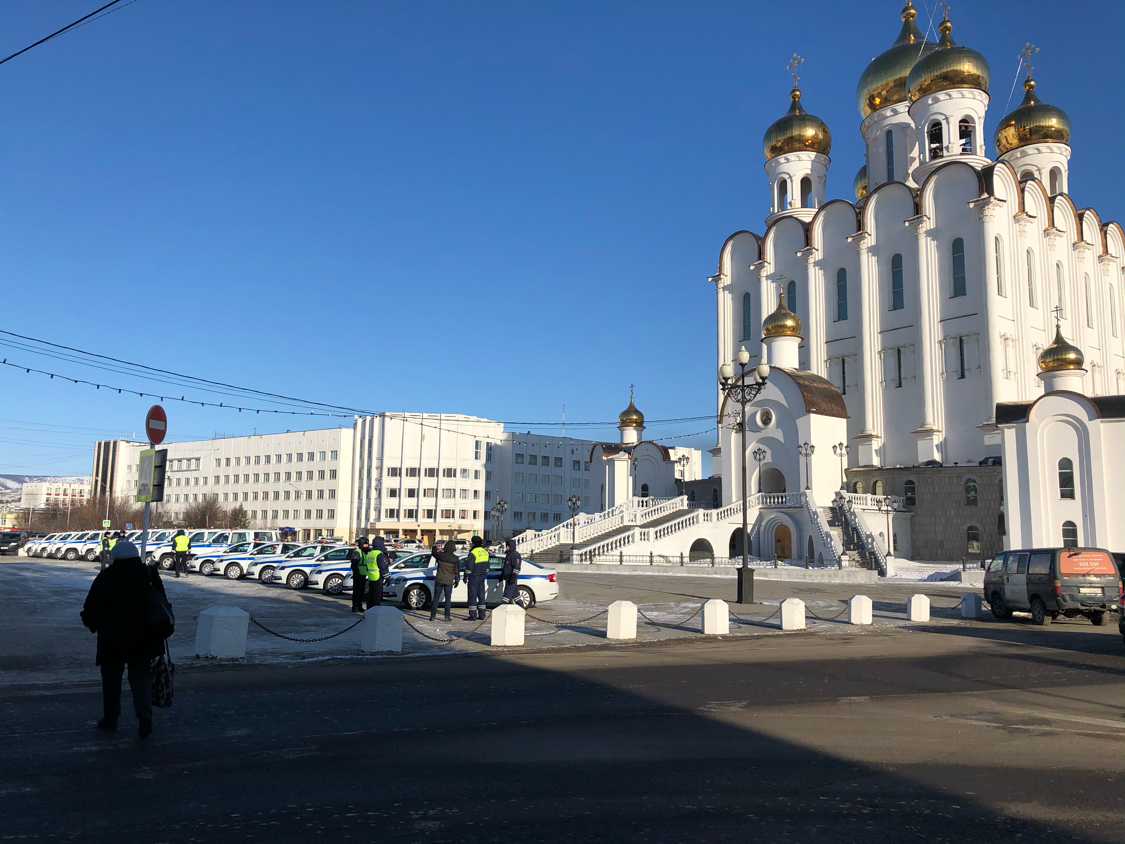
(950, 733)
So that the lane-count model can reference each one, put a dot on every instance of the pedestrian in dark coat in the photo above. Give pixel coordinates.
(447, 576)
(377, 560)
(510, 574)
(359, 573)
(116, 609)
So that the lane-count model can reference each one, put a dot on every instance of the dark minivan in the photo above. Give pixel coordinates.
(1049, 582)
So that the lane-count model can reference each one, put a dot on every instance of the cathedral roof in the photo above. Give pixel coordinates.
(630, 417)
(796, 131)
(949, 66)
(782, 322)
(1032, 122)
(1013, 412)
(883, 82)
(1060, 354)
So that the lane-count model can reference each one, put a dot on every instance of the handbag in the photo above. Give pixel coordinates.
(163, 672)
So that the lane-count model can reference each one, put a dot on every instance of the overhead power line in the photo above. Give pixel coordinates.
(67, 28)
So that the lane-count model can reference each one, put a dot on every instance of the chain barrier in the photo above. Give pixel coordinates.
(444, 641)
(295, 639)
(567, 623)
(760, 622)
(663, 624)
(814, 613)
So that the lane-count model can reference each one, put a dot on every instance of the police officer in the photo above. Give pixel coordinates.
(108, 541)
(181, 545)
(377, 565)
(476, 575)
(359, 573)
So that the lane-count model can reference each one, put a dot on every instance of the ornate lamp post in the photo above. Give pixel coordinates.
(743, 394)
(759, 455)
(495, 514)
(806, 451)
(575, 504)
(841, 450)
(502, 506)
(888, 505)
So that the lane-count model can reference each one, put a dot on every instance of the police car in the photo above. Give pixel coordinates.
(337, 577)
(205, 541)
(235, 564)
(295, 573)
(79, 545)
(212, 561)
(261, 567)
(414, 589)
(54, 548)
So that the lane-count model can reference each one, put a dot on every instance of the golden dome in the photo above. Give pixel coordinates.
(949, 66)
(782, 322)
(797, 131)
(883, 82)
(859, 184)
(1032, 122)
(631, 417)
(1060, 355)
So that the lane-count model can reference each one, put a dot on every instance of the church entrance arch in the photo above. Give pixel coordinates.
(773, 480)
(734, 548)
(782, 542)
(700, 550)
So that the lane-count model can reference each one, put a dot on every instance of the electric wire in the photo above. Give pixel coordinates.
(67, 28)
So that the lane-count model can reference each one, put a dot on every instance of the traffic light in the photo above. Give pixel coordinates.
(158, 467)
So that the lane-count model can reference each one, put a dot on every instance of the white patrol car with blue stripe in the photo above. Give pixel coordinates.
(295, 573)
(337, 577)
(414, 589)
(236, 563)
(205, 541)
(211, 561)
(262, 567)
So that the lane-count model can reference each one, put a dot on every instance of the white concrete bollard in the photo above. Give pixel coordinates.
(859, 610)
(622, 620)
(970, 605)
(918, 608)
(382, 630)
(792, 614)
(222, 632)
(716, 618)
(507, 626)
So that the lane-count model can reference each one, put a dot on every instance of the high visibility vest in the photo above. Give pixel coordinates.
(180, 543)
(371, 563)
(112, 542)
(478, 555)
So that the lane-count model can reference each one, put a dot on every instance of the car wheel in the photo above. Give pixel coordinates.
(416, 597)
(233, 571)
(90, 556)
(297, 580)
(206, 568)
(999, 608)
(1099, 619)
(71, 554)
(166, 563)
(526, 597)
(265, 573)
(1039, 614)
(334, 585)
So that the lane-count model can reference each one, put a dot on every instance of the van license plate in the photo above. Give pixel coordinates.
(1089, 590)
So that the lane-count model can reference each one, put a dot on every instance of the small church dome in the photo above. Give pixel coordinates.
(949, 66)
(797, 131)
(630, 417)
(883, 82)
(782, 322)
(1032, 122)
(1060, 355)
(859, 184)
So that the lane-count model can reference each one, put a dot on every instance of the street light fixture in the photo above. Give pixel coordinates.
(502, 506)
(575, 504)
(743, 394)
(759, 455)
(806, 451)
(841, 450)
(888, 505)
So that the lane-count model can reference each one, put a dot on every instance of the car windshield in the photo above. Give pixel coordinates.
(197, 536)
(240, 547)
(266, 549)
(220, 539)
(301, 553)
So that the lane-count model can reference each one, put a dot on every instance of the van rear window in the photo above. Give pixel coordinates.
(1086, 562)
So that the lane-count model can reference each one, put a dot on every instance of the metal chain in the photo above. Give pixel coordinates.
(760, 622)
(661, 624)
(448, 639)
(294, 639)
(567, 623)
(814, 613)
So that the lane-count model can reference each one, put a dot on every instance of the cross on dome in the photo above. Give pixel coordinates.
(792, 67)
(1057, 311)
(1028, 51)
(945, 7)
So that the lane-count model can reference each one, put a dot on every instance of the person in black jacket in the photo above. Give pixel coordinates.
(476, 576)
(359, 573)
(510, 574)
(447, 576)
(117, 610)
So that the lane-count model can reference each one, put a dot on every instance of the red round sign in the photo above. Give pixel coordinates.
(156, 424)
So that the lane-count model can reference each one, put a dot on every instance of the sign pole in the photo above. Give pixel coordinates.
(156, 426)
(144, 528)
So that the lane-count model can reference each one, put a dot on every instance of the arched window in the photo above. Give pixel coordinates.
(998, 244)
(910, 493)
(890, 156)
(782, 194)
(1026, 175)
(1056, 181)
(958, 267)
(897, 300)
(971, 492)
(841, 294)
(644, 490)
(791, 296)
(937, 142)
(1059, 291)
(691, 497)
(877, 488)
(1089, 304)
(965, 135)
(857, 487)
(1070, 534)
(806, 192)
(1066, 478)
(715, 497)
(747, 317)
(972, 539)
(1031, 280)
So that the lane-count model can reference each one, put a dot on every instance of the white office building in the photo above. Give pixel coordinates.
(54, 492)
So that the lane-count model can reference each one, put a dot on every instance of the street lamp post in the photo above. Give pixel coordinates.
(806, 451)
(759, 455)
(743, 394)
(888, 505)
(841, 450)
(575, 504)
(502, 506)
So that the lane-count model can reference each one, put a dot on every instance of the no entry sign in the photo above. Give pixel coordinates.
(156, 424)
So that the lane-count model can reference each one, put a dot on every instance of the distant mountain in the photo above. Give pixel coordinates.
(15, 482)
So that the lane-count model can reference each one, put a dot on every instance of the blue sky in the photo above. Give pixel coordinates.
(486, 208)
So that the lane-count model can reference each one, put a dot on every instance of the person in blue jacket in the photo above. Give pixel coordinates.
(510, 574)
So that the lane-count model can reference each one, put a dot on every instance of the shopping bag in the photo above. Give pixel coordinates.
(163, 679)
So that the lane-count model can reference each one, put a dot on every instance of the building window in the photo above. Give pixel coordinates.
(430, 472)
(1031, 280)
(841, 294)
(806, 192)
(476, 449)
(791, 295)
(488, 452)
(747, 317)
(451, 473)
(575, 465)
(998, 245)
(971, 496)
(960, 357)
(958, 267)
(890, 156)
(411, 472)
(300, 457)
(392, 471)
(965, 135)
(782, 194)
(898, 366)
(1070, 534)
(519, 458)
(843, 376)
(714, 497)
(857, 487)
(910, 494)
(937, 141)
(332, 455)
(644, 490)
(972, 539)
(877, 488)
(897, 301)
(1066, 479)
(1056, 181)
(1059, 291)
(1089, 304)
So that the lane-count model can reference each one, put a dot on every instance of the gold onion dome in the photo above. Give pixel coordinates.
(797, 131)
(949, 66)
(782, 322)
(631, 417)
(1032, 122)
(1060, 355)
(859, 184)
(883, 82)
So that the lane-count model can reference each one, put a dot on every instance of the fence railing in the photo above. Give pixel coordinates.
(867, 541)
(871, 502)
(827, 539)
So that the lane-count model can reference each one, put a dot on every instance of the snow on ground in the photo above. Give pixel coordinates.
(926, 572)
